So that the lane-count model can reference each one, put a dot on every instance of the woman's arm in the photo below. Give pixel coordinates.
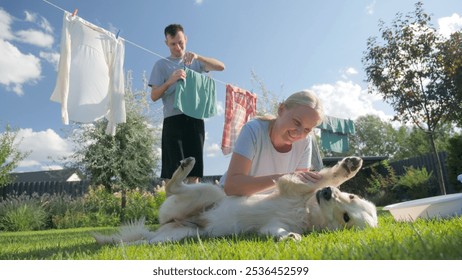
(238, 182)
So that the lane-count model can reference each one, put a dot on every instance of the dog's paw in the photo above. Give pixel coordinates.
(187, 161)
(292, 236)
(352, 164)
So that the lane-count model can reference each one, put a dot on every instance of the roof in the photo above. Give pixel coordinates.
(63, 175)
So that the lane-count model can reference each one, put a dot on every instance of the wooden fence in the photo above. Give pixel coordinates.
(71, 188)
(429, 162)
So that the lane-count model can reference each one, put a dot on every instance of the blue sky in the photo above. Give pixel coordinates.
(290, 45)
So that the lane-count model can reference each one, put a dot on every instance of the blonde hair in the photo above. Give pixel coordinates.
(307, 98)
(304, 97)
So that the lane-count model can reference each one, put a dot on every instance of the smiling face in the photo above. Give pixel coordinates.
(176, 44)
(293, 124)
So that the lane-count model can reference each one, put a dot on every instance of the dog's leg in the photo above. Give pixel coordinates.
(292, 185)
(173, 232)
(277, 230)
(175, 184)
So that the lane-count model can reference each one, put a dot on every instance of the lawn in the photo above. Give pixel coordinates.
(421, 240)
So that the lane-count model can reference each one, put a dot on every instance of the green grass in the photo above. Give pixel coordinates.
(423, 239)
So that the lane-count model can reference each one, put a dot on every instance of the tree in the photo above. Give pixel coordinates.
(408, 70)
(126, 160)
(9, 155)
(415, 141)
(373, 137)
(267, 102)
(452, 66)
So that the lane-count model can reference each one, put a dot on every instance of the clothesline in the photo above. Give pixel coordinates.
(132, 43)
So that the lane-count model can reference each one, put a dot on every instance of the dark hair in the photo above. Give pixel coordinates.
(173, 29)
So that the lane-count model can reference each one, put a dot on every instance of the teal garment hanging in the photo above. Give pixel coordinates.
(196, 95)
(334, 134)
(336, 125)
(334, 142)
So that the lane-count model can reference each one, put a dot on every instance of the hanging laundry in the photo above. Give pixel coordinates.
(195, 96)
(241, 106)
(316, 159)
(90, 81)
(334, 134)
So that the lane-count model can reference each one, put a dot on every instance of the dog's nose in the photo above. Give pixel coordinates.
(326, 193)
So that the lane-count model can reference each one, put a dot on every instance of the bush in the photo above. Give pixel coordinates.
(143, 205)
(381, 181)
(102, 207)
(96, 208)
(65, 211)
(21, 213)
(415, 183)
(385, 187)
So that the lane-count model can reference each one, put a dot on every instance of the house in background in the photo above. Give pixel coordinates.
(63, 175)
(69, 181)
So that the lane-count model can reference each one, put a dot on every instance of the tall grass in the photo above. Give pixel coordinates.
(423, 239)
(96, 208)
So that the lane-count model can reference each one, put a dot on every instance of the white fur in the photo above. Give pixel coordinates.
(293, 210)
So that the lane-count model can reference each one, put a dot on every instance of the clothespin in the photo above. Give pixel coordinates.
(117, 35)
(75, 12)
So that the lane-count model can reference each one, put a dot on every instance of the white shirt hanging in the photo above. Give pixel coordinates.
(90, 81)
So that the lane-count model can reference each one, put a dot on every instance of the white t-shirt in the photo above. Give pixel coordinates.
(254, 143)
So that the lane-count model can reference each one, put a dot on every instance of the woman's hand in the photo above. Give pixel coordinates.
(308, 176)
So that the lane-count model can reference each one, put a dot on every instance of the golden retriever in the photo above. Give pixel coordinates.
(295, 208)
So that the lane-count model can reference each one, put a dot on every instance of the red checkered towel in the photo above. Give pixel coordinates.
(241, 106)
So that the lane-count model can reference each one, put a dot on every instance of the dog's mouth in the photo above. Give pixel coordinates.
(325, 193)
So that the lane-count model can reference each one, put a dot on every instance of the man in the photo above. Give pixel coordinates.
(182, 136)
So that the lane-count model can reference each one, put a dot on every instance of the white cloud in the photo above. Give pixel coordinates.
(5, 22)
(351, 71)
(347, 100)
(371, 7)
(51, 57)
(17, 68)
(198, 2)
(35, 37)
(449, 25)
(212, 150)
(44, 147)
(30, 17)
(42, 22)
(347, 73)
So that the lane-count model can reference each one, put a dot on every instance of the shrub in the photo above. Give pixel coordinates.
(65, 211)
(415, 183)
(102, 207)
(21, 213)
(381, 181)
(96, 208)
(143, 205)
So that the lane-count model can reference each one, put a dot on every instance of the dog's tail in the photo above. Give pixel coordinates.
(174, 185)
(130, 232)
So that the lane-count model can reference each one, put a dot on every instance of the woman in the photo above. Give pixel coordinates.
(270, 147)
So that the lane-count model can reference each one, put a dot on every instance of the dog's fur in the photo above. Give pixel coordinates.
(293, 209)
